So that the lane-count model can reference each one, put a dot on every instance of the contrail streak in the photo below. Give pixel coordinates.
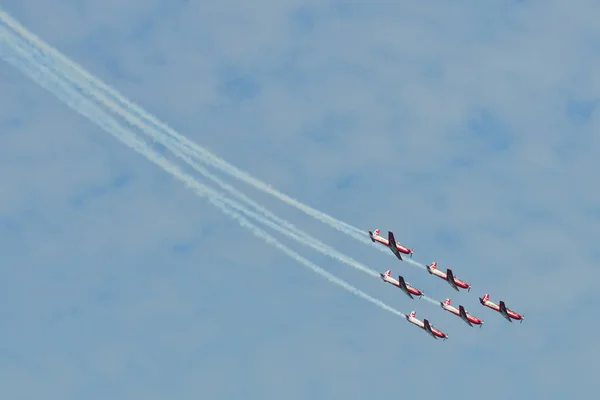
(299, 235)
(176, 139)
(53, 57)
(292, 231)
(76, 101)
(190, 146)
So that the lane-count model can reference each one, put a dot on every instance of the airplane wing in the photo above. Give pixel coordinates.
(392, 244)
(450, 278)
(463, 315)
(428, 328)
(503, 309)
(402, 284)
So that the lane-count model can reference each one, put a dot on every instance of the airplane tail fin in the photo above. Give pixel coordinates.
(376, 232)
(447, 302)
(485, 297)
(431, 267)
(412, 314)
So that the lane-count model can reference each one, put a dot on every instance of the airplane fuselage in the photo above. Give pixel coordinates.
(451, 309)
(416, 322)
(437, 273)
(461, 284)
(389, 279)
(437, 333)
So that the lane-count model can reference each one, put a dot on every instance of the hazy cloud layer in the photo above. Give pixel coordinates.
(469, 128)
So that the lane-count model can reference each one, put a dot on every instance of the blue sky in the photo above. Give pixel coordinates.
(469, 128)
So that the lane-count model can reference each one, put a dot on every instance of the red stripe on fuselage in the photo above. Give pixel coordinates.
(461, 284)
(438, 333)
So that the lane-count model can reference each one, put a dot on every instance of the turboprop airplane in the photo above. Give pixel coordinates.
(448, 276)
(462, 313)
(390, 242)
(501, 308)
(426, 326)
(401, 284)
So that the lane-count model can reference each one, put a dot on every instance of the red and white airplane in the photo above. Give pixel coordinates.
(501, 308)
(435, 333)
(401, 283)
(448, 276)
(390, 242)
(462, 313)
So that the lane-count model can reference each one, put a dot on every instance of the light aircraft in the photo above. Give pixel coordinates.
(390, 242)
(448, 276)
(435, 333)
(462, 313)
(501, 308)
(401, 283)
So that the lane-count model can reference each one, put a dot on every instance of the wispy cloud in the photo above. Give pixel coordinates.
(423, 94)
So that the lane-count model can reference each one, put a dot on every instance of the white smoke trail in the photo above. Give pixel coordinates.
(47, 58)
(299, 236)
(127, 109)
(294, 233)
(188, 146)
(24, 49)
(76, 101)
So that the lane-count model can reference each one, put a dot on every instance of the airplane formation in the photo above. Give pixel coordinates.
(31, 55)
(449, 277)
